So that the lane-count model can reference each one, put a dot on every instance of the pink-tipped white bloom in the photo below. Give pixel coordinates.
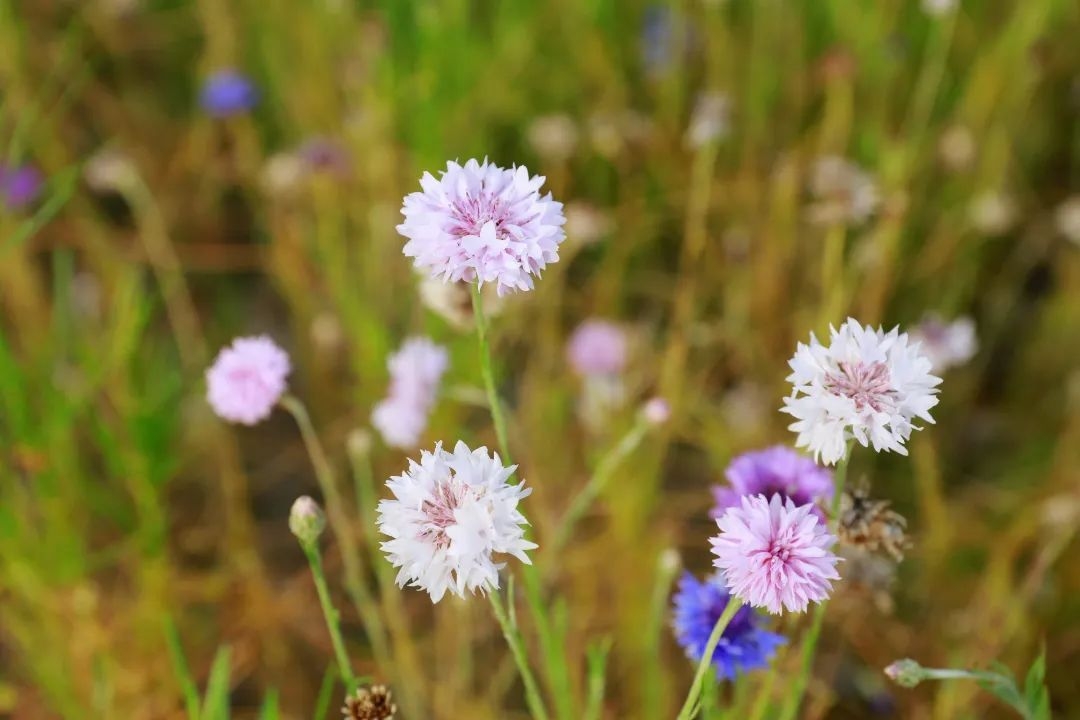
(415, 372)
(597, 347)
(866, 385)
(946, 344)
(774, 554)
(483, 223)
(451, 513)
(247, 379)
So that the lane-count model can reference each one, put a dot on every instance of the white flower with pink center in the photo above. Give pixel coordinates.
(482, 223)
(866, 385)
(451, 513)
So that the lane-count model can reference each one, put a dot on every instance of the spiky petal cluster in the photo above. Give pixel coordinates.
(770, 471)
(451, 513)
(743, 646)
(415, 372)
(775, 555)
(482, 223)
(247, 379)
(866, 385)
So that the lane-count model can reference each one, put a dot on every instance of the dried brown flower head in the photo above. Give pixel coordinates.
(370, 703)
(870, 524)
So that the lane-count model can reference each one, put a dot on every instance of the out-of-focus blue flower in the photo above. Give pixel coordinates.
(226, 93)
(657, 38)
(743, 646)
(19, 185)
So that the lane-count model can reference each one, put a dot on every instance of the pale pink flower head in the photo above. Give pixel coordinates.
(482, 223)
(597, 347)
(774, 554)
(247, 379)
(415, 372)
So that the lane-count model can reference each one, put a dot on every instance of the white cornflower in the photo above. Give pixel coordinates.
(711, 120)
(1067, 219)
(843, 192)
(866, 385)
(450, 513)
(946, 344)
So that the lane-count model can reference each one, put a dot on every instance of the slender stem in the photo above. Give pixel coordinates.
(687, 710)
(605, 470)
(355, 586)
(495, 404)
(517, 648)
(333, 623)
(810, 643)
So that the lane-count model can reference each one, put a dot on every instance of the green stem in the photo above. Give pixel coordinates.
(355, 586)
(794, 700)
(605, 470)
(333, 623)
(517, 649)
(497, 416)
(705, 663)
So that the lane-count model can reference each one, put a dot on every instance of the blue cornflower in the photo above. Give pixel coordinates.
(226, 93)
(743, 646)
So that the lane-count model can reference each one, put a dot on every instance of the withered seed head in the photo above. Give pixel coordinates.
(870, 524)
(370, 703)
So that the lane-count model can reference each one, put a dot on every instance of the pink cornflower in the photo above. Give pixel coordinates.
(597, 347)
(247, 379)
(774, 554)
(482, 223)
(415, 372)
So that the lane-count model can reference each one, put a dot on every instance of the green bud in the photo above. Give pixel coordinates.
(306, 520)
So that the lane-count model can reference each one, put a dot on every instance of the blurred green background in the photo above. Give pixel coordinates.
(684, 138)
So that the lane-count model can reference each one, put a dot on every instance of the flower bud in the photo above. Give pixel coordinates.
(906, 673)
(306, 520)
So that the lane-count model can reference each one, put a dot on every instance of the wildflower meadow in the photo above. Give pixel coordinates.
(567, 360)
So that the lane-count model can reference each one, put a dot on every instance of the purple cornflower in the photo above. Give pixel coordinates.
(323, 154)
(774, 470)
(19, 185)
(743, 646)
(226, 93)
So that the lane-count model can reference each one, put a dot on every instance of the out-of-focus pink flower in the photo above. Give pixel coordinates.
(597, 347)
(483, 223)
(775, 555)
(247, 379)
(415, 372)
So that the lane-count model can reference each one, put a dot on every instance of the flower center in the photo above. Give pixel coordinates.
(470, 214)
(439, 510)
(867, 384)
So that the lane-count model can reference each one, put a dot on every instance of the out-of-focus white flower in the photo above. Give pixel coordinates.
(482, 223)
(946, 344)
(585, 224)
(710, 121)
(452, 301)
(1067, 218)
(282, 174)
(553, 136)
(938, 8)
(957, 148)
(451, 513)
(415, 372)
(110, 170)
(613, 133)
(993, 213)
(326, 332)
(843, 192)
(866, 385)
(656, 411)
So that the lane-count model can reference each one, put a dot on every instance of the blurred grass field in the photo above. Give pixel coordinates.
(126, 507)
